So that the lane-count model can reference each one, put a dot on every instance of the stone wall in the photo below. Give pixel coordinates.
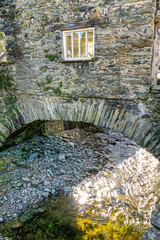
(123, 45)
(114, 87)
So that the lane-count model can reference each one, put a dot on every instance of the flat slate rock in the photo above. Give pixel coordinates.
(155, 220)
(32, 157)
(151, 234)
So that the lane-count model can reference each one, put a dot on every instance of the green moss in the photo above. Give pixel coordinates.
(51, 57)
(46, 50)
(48, 88)
(8, 112)
(48, 80)
(60, 85)
(41, 84)
(57, 91)
(5, 80)
(94, 59)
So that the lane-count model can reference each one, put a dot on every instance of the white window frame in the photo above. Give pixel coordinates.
(64, 44)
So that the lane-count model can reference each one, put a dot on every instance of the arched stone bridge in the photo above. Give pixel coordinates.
(118, 88)
(129, 118)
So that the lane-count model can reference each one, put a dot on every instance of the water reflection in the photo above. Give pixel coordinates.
(119, 205)
(115, 206)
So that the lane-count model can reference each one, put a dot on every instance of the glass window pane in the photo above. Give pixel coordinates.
(79, 44)
(2, 48)
(90, 33)
(76, 52)
(83, 52)
(68, 45)
(69, 51)
(83, 43)
(90, 50)
(90, 42)
(75, 45)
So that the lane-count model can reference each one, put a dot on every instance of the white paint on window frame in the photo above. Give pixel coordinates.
(64, 44)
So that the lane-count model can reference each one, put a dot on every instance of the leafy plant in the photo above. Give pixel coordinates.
(48, 80)
(51, 57)
(57, 91)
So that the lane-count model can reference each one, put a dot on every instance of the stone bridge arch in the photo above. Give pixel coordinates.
(129, 118)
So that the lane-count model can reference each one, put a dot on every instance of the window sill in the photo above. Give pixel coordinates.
(79, 60)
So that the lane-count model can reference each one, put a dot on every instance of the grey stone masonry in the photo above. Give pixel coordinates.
(124, 32)
(154, 233)
(112, 90)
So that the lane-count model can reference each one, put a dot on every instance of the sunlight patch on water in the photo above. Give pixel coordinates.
(132, 190)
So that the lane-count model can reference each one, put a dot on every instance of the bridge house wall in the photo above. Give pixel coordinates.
(123, 46)
(119, 78)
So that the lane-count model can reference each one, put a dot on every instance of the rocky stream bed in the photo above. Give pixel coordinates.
(111, 183)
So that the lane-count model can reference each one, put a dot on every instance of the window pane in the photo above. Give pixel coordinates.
(83, 43)
(68, 45)
(75, 45)
(79, 44)
(90, 42)
(83, 52)
(90, 51)
(2, 47)
(90, 33)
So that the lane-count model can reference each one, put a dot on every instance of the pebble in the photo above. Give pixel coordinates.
(62, 157)
(45, 194)
(46, 183)
(25, 179)
(32, 157)
(35, 182)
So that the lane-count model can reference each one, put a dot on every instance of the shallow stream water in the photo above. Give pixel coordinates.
(114, 203)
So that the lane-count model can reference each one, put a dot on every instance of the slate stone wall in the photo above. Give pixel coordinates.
(124, 42)
(123, 76)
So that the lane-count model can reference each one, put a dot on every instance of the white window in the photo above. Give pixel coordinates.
(2, 48)
(78, 44)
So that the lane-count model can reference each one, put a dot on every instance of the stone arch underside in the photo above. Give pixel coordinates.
(124, 117)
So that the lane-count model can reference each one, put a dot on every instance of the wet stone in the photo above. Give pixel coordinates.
(151, 234)
(155, 220)
(62, 157)
(32, 157)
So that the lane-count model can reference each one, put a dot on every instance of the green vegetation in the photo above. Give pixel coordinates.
(59, 219)
(47, 88)
(7, 111)
(51, 57)
(2, 165)
(2, 36)
(5, 79)
(56, 221)
(109, 230)
(94, 59)
(48, 80)
(57, 90)
(46, 50)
